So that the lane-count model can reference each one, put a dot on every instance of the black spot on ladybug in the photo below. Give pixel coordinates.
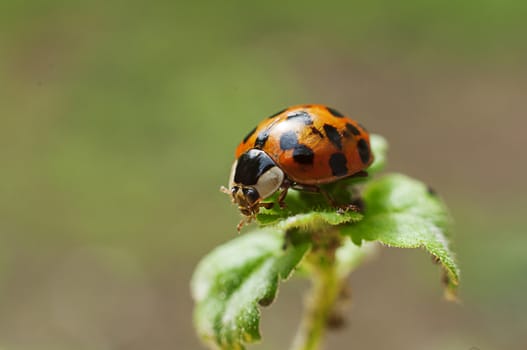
(337, 163)
(249, 135)
(251, 165)
(303, 154)
(351, 128)
(364, 151)
(261, 139)
(317, 132)
(277, 113)
(333, 135)
(335, 113)
(288, 140)
(302, 116)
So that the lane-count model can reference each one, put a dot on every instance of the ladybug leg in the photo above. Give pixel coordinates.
(282, 196)
(341, 208)
(316, 189)
(247, 219)
(266, 205)
(285, 187)
(307, 188)
(331, 201)
(362, 173)
(244, 221)
(328, 197)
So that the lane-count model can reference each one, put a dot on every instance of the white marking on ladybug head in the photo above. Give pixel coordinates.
(233, 172)
(269, 182)
(253, 177)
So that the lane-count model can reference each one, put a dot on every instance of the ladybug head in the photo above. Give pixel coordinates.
(247, 199)
(254, 176)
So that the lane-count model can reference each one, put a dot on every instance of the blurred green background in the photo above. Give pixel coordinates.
(119, 121)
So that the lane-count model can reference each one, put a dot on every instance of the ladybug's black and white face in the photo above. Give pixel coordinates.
(254, 176)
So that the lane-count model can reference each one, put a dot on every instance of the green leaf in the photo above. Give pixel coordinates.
(286, 219)
(311, 222)
(402, 212)
(296, 202)
(350, 256)
(379, 148)
(230, 283)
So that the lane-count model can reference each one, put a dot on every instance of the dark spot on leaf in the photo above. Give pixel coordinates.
(337, 162)
(431, 191)
(364, 151)
(335, 113)
(303, 154)
(359, 203)
(333, 135)
(249, 135)
(266, 301)
(336, 321)
(288, 140)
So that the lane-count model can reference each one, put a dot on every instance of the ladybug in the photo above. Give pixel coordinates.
(300, 147)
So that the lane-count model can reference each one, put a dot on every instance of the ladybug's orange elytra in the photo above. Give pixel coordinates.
(312, 144)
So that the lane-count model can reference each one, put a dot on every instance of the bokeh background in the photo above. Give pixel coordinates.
(118, 122)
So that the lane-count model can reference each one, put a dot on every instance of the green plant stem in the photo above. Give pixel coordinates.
(326, 286)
